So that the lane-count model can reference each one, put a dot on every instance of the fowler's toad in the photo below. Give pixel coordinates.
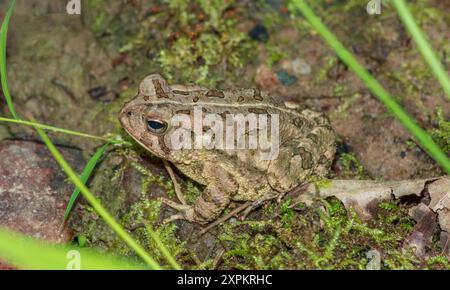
(306, 143)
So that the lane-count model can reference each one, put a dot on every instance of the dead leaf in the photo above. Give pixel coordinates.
(364, 195)
(422, 235)
(440, 201)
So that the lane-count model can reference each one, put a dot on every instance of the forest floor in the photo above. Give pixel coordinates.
(76, 72)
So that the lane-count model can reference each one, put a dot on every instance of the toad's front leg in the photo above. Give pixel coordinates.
(215, 198)
(207, 208)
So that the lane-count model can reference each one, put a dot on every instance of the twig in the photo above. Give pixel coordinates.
(226, 217)
(217, 259)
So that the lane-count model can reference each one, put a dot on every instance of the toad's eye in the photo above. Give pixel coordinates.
(156, 126)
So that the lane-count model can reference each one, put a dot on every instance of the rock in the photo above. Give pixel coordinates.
(300, 67)
(297, 67)
(285, 78)
(33, 189)
(4, 266)
(98, 93)
(259, 33)
(275, 4)
(266, 78)
(102, 94)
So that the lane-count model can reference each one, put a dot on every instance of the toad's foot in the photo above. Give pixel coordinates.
(186, 212)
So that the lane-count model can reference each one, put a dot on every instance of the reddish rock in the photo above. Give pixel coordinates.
(33, 189)
(266, 78)
(4, 266)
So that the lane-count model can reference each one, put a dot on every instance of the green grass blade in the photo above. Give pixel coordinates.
(61, 130)
(422, 44)
(101, 211)
(27, 253)
(3, 38)
(163, 248)
(87, 171)
(375, 87)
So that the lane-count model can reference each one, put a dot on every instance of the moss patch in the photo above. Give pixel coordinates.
(324, 236)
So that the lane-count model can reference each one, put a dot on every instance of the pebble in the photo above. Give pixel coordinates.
(259, 33)
(265, 78)
(102, 94)
(285, 78)
(297, 67)
(300, 67)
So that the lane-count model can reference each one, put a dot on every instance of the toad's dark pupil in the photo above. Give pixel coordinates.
(156, 125)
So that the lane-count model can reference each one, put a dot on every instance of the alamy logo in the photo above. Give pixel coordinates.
(232, 131)
(74, 7)
(374, 7)
(74, 258)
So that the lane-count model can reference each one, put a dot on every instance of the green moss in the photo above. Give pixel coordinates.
(275, 54)
(322, 73)
(147, 212)
(441, 134)
(389, 206)
(192, 192)
(352, 166)
(205, 51)
(159, 180)
(438, 262)
(324, 236)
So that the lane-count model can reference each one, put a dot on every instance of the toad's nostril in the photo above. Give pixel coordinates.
(129, 113)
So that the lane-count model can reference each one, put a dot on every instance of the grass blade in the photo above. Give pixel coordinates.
(375, 87)
(101, 211)
(163, 248)
(422, 44)
(61, 130)
(27, 253)
(87, 171)
(4, 80)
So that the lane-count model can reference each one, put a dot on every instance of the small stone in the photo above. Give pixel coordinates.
(98, 92)
(259, 33)
(285, 78)
(275, 4)
(265, 78)
(343, 147)
(297, 67)
(300, 67)
(102, 94)
(403, 154)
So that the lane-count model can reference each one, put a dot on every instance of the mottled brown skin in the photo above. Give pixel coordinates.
(307, 145)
